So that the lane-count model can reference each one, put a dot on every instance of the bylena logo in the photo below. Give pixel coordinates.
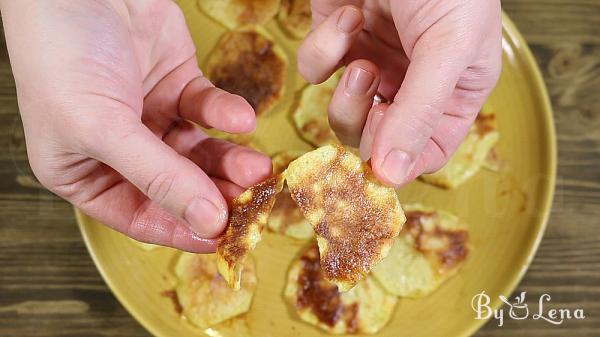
(519, 310)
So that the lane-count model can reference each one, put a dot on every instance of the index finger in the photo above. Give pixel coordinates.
(324, 48)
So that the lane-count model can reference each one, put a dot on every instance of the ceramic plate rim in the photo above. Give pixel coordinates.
(510, 285)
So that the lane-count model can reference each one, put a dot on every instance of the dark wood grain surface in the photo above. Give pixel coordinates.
(50, 287)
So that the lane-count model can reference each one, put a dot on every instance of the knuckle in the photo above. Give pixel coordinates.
(424, 123)
(160, 186)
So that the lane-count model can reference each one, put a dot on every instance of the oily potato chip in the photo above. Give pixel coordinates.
(354, 216)
(249, 64)
(470, 156)
(247, 217)
(234, 14)
(204, 295)
(431, 247)
(286, 218)
(364, 309)
(295, 17)
(310, 116)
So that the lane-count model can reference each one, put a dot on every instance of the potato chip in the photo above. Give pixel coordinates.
(247, 217)
(205, 297)
(364, 309)
(286, 218)
(471, 154)
(295, 17)
(430, 249)
(355, 217)
(234, 14)
(310, 116)
(249, 64)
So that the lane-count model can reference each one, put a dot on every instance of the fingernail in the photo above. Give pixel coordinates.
(205, 218)
(349, 20)
(396, 166)
(359, 81)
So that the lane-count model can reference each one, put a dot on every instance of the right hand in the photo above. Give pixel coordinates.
(106, 91)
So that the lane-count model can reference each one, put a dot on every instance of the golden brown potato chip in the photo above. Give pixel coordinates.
(249, 64)
(286, 218)
(310, 116)
(364, 309)
(431, 247)
(471, 154)
(240, 13)
(295, 17)
(205, 297)
(355, 217)
(247, 217)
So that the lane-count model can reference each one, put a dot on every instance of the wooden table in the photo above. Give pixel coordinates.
(50, 287)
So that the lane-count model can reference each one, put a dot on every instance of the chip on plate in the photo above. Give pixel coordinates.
(249, 64)
(247, 217)
(431, 247)
(295, 17)
(240, 13)
(203, 294)
(470, 156)
(364, 309)
(354, 216)
(310, 116)
(286, 218)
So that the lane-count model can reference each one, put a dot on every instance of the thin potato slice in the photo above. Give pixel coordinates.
(205, 297)
(310, 116)
(247, 217)
(249, 64)
(295, 17)
(286, 218)
(355, 217)
(470, 156)
(364, 309)
(430, 249)
(234, 14)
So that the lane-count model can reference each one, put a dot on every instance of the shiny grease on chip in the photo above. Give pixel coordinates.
(354, 216)
(247, 217)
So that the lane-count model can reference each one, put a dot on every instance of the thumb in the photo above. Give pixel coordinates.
(167, 178)
(408, 124)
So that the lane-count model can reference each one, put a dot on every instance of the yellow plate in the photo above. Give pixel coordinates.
(507, 214)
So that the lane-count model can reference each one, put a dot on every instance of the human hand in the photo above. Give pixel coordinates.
(106, 91)
(437, 60)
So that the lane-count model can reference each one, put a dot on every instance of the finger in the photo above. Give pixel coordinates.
(352, 100)
(153, 224)
(418, 106)
(219, 158)
(211, 107)
(324, 48)
(229, 190)
(366, 141)
(392, 62)
(107, 197)
(161, 104)
(444, 142)
(171, 180)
